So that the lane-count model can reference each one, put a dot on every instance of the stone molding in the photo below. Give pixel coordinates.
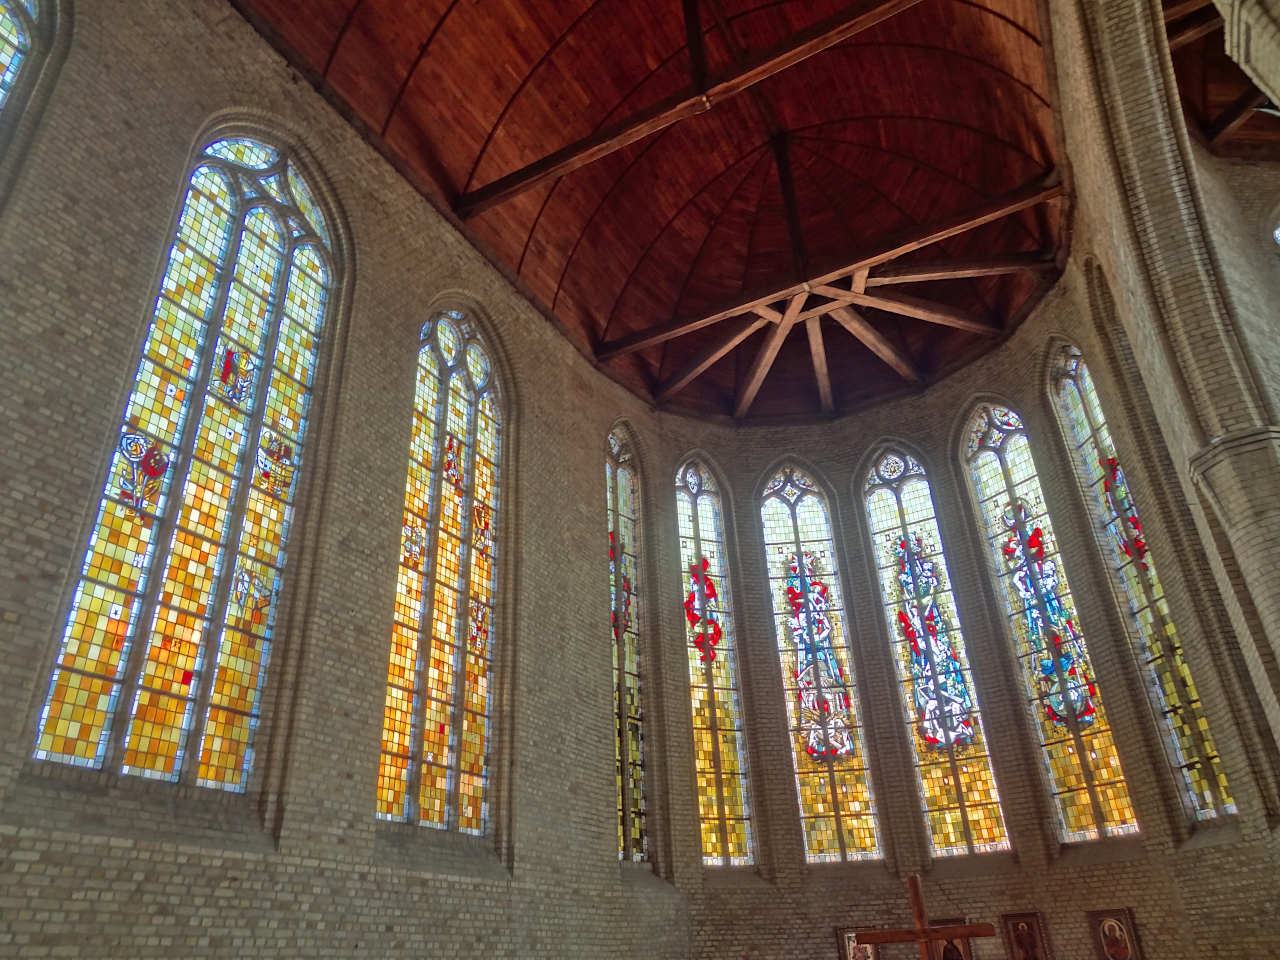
(1253, 40)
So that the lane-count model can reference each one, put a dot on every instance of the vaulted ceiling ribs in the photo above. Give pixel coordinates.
(688, 184)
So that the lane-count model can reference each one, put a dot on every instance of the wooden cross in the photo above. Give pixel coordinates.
(922, 932)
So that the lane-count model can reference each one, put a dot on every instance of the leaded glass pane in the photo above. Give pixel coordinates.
(720, 756)
(1189, 745)
(623, 511)
(1091, 795)
(952, 759)
(436, 720)
(828, 750)
(164, 654)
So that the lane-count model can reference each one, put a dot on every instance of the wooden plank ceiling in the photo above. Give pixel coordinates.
(763, 208)
(1224, 110)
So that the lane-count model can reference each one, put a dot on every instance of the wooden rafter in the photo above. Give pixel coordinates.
(787, 187)
(1227, 122)
(1040, 190)
(738, 331)
(767, 353)
(960, 269)
(853, 19)
(693, 42)
(1193, 28)
(876, 342)
(818, 351)
(908, 306)
(1180, 8)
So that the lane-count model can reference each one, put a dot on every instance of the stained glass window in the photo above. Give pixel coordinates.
(1077, 747)
(828, 751)
(18, 40)
(434, 768)
(162, 661)
(623, 510)
(949, 746)
(1173, 693)
(719, 744)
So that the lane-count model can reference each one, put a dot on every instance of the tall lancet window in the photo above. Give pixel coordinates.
(828, 751)
(1173, 693)
(435, 731)
(953, 766)
(719, 746)
(163, 658)
(623, 508)
(1079, 752)
(19, 42)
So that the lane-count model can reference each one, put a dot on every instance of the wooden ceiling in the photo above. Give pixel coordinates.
(1224, 109)
(764, 208)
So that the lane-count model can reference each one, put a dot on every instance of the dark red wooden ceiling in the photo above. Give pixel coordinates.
(921, 117)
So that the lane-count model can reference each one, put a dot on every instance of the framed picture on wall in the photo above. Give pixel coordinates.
(1114, 935)
(950, 949)
(1024, 936)
(851, 949)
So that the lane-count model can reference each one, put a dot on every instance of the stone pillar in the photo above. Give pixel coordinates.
(1253, 40)
(1210, 401)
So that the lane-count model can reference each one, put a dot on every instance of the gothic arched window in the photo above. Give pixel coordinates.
(20, 40)
(1075, 737)
(434, 768)
(623, 494)
(828, 750)
(162, 662)
(1173, 693)
(720, 751)
(952, 758)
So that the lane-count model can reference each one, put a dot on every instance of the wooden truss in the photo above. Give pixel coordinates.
(836, 293)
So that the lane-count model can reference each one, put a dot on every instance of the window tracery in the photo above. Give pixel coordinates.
(952, 759)
(19, 43)
(173, 615)
(623, 510)
(829, 753)
(1172, 690)
(435, 736)
(720, 755)
(1077, 746)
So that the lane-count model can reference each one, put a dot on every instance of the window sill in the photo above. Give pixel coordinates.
(437, 853)
(53, 796)
(973, 865)
(1096, 852)
(1211, 833)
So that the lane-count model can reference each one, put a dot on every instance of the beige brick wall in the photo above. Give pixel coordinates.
(95, 865)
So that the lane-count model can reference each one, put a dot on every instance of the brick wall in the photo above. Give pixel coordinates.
(95, 865)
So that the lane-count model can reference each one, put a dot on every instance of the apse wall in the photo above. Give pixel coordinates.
(99, 865)
(96, 864)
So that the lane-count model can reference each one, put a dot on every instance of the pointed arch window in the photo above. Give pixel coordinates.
(720, 752)
(163, 658)
(20, 45)
(434, 767)
(1077, 747)
(828, 750)
(1173, 694)
(952, 759)
(623, 508)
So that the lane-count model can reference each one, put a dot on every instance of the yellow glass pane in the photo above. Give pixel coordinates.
(97, 629)
(120, 547)
(74, 727)
(152, 747)
(241, 659)
(224, 749)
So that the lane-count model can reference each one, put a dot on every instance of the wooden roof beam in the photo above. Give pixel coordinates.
(876, 342)
(818, 350)
(1040, 190)
(1180, 8)
(739, 330)
(927, 310)
(1240, 110)
(765, 356)
(853, 19)
(1193, 28)
(960, 269)
(693, 43)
